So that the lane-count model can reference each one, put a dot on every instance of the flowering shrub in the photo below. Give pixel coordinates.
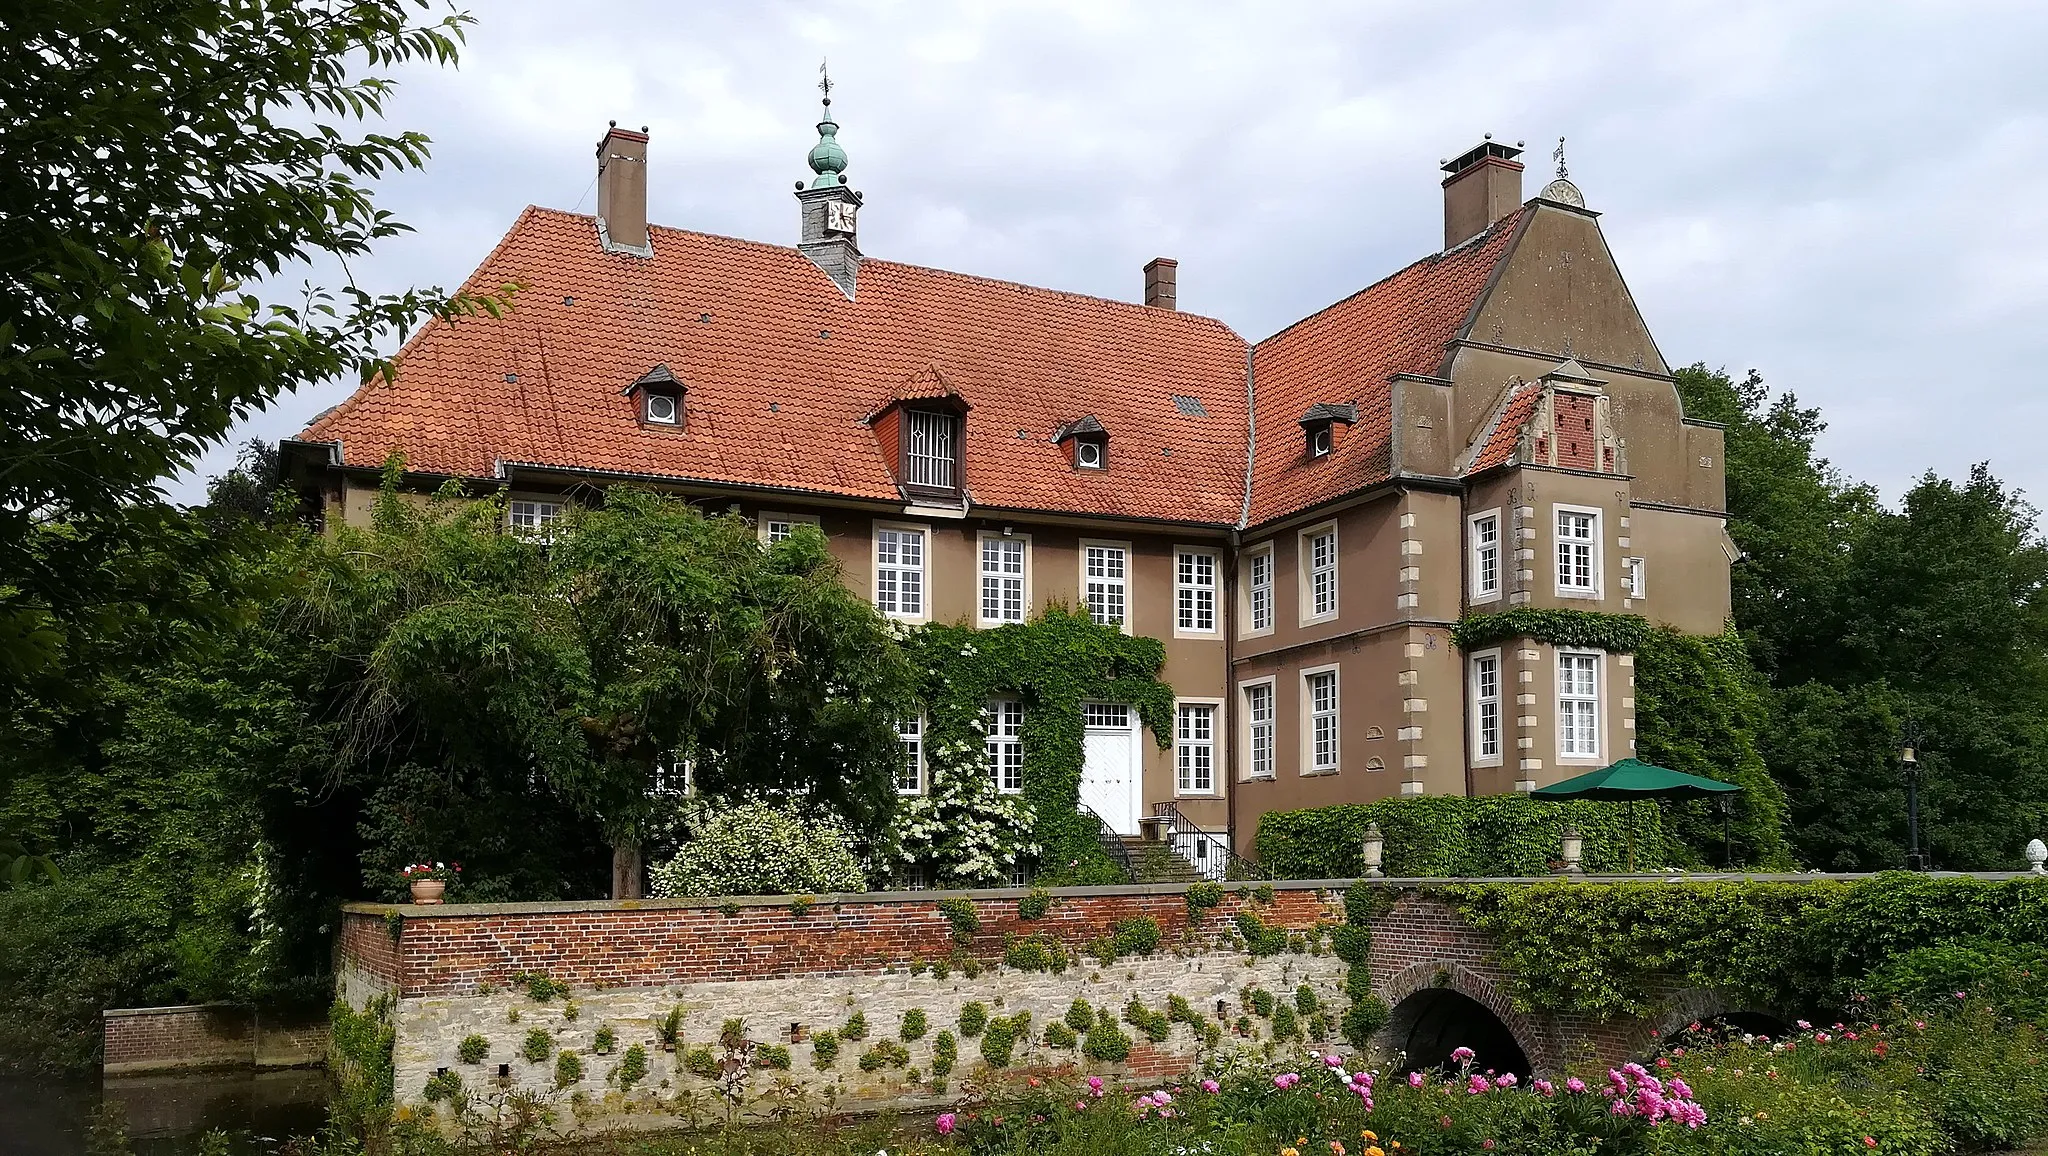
(1929, 1086)
(420, 872)
(760, 849)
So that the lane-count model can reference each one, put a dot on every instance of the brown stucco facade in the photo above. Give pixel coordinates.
(1542, 424)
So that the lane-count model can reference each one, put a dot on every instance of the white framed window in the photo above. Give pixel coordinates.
(1319, 732)
(662, 408)
(900, 571)
(1194, 749)
(1486, 707)
(1005, 566)
(1194, 590)
(535, 520)
(931, 453)
(1634, 572)
(1483, 533)
(1578, 552)
(775, 527)
(1004, 719)
(1260, 729)
(1578, 705)
(1258, 590)
(1106, 582)
(910, 772)
(1317, 547)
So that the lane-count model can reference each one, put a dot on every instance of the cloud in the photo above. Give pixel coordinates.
(1843, 196)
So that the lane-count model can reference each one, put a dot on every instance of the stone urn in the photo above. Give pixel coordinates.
(428, 890)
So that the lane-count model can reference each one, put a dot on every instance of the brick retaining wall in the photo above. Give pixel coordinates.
(162, 1039)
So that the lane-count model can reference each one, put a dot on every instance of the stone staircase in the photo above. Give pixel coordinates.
(1153, 861)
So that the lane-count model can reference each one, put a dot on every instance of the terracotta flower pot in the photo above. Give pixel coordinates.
(428, 890)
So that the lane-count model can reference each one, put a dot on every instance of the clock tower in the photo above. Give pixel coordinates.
(830, 208)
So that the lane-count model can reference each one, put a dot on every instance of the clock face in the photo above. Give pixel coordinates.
(839, 217)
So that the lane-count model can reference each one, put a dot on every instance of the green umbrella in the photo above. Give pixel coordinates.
(1632, 779)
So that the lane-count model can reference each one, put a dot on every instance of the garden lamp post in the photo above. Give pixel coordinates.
(1909, 762)
(1726, 806)
(1375, 850)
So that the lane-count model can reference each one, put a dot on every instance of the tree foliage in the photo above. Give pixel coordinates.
(158, 163)
(1875, 623)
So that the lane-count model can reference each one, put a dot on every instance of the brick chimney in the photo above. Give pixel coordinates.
(1162, 283)
(622, 191)
(1482, 186)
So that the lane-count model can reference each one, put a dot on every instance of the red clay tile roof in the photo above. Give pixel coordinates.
(780, 370)
(1346, 353)
(746, 326)
(1501, 437)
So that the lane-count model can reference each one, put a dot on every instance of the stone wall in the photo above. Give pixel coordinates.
(456, 971)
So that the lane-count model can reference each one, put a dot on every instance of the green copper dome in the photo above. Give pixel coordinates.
(827, 159)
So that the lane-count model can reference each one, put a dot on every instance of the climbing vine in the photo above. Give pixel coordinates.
(972, 834)
(1452, 835)
(1614, 633)
(1619, 948)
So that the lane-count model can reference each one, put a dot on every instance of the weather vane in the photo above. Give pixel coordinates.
(825, 81)
(1557, 154)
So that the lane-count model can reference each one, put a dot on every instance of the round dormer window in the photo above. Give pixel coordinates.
(661, 408)
(1088, 455)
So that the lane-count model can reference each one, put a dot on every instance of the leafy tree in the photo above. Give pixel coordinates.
(1700, 707)
(1793, 515)
(157, 160)
(646, 637)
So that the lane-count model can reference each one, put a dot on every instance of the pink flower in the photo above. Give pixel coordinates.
(945, 1123)
(1488, 1145)
(1803, 1025)
(1575, 1084)
(1869, 1142)
(1211, 1087)
(1504, 1080)
(1161, 1098)
(1095, 1083)
(1461, 1055)
(1333, 1060)
(1476, 1084)
(1545, 1087)
(1080, 1105)
(1415, 1079)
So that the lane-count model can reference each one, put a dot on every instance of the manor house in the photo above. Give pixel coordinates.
(1300, 520)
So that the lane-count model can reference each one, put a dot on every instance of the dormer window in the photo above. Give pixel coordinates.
(1087, 443)
(1320, 422)
(658, 394)
(931, 450)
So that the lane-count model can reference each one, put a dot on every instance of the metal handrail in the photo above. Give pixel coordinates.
(1112, 843)
(1209, 852)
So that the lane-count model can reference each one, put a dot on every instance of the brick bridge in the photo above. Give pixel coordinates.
(454, 970)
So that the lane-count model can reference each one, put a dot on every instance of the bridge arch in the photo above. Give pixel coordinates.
(1437, 1006)
(1711, 1011)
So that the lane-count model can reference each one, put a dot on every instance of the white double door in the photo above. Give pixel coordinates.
(1112, 772)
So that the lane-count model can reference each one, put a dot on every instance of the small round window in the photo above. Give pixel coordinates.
(1089, 454)
(661, 409)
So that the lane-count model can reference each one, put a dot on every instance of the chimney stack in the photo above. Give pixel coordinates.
(1162, 283)
(1482, 186)
(622, 191)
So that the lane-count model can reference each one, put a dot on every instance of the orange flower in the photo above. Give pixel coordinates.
(1290, 1152)
(1336, 1148)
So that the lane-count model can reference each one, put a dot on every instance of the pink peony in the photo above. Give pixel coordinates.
(1575, 1084)
(945, 1123)
(1415, 1079)
(1461, 1055)
(1095, 1083)
(1211, 1087)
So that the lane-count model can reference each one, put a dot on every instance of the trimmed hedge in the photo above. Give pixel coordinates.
(1451, 835)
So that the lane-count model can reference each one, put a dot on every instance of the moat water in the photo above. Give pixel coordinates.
(163, 1115)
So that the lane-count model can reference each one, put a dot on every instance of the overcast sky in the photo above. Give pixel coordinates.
(1852, 198)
